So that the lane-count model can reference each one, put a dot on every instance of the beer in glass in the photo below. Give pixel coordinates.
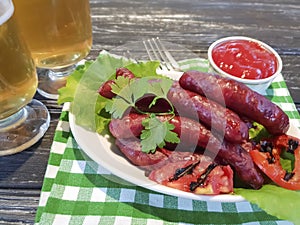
(59, 35)
(18, 84)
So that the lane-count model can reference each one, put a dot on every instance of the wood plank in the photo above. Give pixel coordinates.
(18, 206)
(197, 23)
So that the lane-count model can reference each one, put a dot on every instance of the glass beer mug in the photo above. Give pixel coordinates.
(23, 120)
(59, 35)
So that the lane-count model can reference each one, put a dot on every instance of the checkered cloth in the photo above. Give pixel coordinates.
(76, 190)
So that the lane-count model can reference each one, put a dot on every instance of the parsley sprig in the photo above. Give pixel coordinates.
(156, 133)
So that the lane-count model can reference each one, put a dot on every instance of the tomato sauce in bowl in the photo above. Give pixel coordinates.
(246, 60)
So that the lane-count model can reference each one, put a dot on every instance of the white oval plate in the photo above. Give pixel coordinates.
(103, 151)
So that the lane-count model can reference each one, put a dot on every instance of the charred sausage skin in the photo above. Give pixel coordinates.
(237, 97)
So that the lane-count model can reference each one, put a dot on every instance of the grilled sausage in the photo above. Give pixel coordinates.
(193, 134)
(105, 89)
(241, 161)
(224, 121)
(124, 72)
(131, 148)
(237, 97)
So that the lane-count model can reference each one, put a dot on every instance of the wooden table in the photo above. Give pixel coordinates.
(193, 24)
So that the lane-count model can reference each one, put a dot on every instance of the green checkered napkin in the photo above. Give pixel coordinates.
(76, 190)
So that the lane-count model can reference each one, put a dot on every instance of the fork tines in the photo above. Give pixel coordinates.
(157, 51)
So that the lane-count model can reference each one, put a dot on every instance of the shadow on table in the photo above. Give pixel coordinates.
(22, 170)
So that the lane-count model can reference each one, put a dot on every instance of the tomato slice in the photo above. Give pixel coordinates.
(205, 178)
(266, 155)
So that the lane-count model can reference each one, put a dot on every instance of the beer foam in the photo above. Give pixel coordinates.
(6, 10)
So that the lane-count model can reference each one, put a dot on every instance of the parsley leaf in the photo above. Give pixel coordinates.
(129, 91)
(160, 87)
(156, 133)
(171, 136)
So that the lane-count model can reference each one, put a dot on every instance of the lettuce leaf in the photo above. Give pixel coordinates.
(66, 94)
(88, 106)
(276, 201)
(82, 86)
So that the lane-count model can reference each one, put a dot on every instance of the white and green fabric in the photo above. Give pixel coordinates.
(78, 191)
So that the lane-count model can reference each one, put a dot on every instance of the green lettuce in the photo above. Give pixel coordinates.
(88, 107)
(276, 201)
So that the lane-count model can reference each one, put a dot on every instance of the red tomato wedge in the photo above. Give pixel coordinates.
(266, 155)
(205, 178)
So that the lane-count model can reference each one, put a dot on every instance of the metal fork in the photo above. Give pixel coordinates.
(157, 51)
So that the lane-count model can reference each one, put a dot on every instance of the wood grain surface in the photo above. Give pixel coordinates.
(192, 24)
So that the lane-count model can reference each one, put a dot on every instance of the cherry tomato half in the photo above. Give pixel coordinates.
(266, 155)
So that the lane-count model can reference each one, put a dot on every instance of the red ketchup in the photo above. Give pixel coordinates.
(244, 59)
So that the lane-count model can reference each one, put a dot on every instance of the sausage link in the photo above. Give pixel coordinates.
(224, 121)
(131, 148)
(105, 89)
(124, 72)
(191, 133)
(160, 106)
(128, 127)
(241, 161)
(237, 97)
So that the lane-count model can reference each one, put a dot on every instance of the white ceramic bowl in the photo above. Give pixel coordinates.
(258, 85)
